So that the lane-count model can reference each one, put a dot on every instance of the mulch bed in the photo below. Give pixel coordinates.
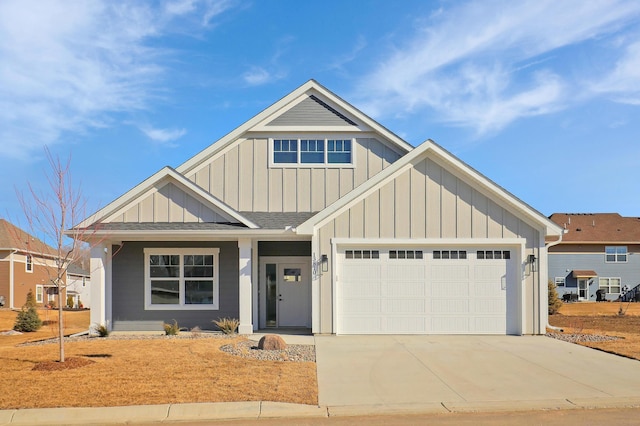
(69, 364)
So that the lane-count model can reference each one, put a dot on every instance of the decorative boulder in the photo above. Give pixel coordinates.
(272, 342)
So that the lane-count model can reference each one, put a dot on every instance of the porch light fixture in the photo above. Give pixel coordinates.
(324, 260)
(531, 264)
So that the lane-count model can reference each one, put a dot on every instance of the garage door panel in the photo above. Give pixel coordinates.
(406, 289)
(449, 306)
(362, 271)
(405, 271)
(404, 306)
(361, 325)
(451, 289)
(364, 289)
(401, 325)
(450, 324)
(488, 289)
(445, 272)
(481, 324)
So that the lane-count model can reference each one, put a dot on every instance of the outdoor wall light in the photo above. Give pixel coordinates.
(531, 263)
(324, 260)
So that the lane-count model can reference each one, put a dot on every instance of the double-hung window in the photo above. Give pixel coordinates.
(615, 254)
(181, 279)
(28, 266)
(312, 152)
(610, 285)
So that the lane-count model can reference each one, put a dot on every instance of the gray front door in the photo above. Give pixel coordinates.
(285, 286)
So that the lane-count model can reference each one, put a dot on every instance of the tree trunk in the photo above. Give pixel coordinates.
(60, 325)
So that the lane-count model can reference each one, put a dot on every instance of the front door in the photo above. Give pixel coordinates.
(583, 289)
(286, 286)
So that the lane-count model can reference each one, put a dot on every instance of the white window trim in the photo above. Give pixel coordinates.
(609, 284)
(39, 293)
(626, 255)
(325, 165)
(28, 264)
(182, 252)
(558, 280)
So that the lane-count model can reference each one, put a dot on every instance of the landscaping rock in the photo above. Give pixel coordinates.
(272, 342)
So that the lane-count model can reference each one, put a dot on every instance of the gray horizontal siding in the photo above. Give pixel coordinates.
(311, 112)
(128, 287)
(562, 265)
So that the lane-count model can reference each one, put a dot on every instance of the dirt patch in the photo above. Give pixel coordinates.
(68, 364)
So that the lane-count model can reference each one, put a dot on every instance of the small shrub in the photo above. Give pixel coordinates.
(28, 319)
(554, 301)
(196, 332)
(171, 329)
(227, 325)
(100, 330)
(621, 311)
(70, 302)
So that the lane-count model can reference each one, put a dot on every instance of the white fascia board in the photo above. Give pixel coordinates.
(149, 185)
(280, 106)
(475, 242)
(197, 235)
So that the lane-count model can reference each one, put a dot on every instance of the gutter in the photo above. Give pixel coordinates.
(11, 275)
(551, 244)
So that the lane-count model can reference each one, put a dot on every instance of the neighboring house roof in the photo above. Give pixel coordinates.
(74, 269)
(439, 154)
(583, 273)
(598, 228)
(14, 238)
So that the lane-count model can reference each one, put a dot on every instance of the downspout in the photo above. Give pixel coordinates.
(547, 245)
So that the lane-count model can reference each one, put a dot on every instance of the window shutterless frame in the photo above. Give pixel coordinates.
(312, 151)
(181, 278)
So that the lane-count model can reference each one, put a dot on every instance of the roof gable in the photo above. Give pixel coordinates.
(333, 114)
(439, 155)
(598, 227)
(198, 205)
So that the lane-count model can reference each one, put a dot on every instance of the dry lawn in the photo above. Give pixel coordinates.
(603, 318)
(134, 372)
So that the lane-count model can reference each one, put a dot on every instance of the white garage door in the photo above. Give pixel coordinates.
(423, 291)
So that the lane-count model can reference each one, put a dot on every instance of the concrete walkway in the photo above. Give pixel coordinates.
(469, 373)
(369, 375)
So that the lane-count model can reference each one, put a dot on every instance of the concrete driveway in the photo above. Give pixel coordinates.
(463, 373)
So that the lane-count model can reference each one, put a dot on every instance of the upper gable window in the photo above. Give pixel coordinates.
(299, 152)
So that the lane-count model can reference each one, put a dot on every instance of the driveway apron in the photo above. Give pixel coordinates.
(374, 370)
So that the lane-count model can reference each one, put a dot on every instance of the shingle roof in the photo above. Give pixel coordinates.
(280, 220)
(598, 227)
(12, 237)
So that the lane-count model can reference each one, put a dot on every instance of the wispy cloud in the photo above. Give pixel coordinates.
(484, 64)
(256, 76)
(163, 136)
(69, 67)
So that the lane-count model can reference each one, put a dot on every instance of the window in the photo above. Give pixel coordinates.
(610, 285)
(405, 254)
(493, 254)
(362, 254)
(326, 152)
(181, 278)
(450, 254)
(39, 294)
(615, 254)
(28, 266)
(559, 281)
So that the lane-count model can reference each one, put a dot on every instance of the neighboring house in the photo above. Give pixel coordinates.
(26, 263)
(78, 286)
(313, 215)
(599, 251)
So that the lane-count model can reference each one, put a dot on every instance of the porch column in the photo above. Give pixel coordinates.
(101, 285)
(244, 283)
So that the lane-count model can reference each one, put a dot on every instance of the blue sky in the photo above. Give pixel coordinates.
(543, 97)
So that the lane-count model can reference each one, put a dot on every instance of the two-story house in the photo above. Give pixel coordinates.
(598, 254)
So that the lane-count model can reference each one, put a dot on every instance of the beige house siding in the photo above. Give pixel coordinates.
(426, 202)
(168, 204)
(241, 177)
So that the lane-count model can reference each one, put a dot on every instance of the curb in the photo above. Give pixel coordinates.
(254, 410)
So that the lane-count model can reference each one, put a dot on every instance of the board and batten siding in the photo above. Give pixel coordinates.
(426, 202)
(241, 177)
(169, 204)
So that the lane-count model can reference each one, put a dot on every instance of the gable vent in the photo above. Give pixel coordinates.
(312, 112)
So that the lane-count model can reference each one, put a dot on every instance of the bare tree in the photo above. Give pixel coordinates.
(49, 213)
